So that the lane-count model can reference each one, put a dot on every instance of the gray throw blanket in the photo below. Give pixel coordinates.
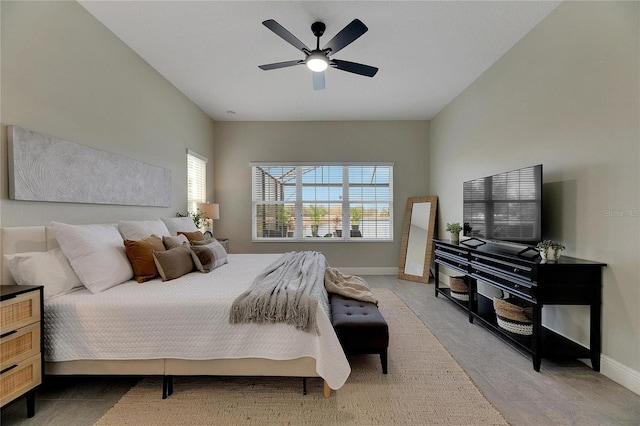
(287, 291)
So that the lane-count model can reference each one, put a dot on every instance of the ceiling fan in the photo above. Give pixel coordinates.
(317, 60)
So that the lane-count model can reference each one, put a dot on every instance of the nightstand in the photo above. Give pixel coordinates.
(224, 242)
(21, 340)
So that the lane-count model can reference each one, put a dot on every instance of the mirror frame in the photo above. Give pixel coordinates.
(424, 278)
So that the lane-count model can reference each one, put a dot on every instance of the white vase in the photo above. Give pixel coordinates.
(455, 237)
(549, 254)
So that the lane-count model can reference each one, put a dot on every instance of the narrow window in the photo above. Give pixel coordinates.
(196, 180)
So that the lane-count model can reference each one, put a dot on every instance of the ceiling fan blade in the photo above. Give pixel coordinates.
(318, 80)
(346, 36)
(277, 65)
(354, 67)
(285, 35)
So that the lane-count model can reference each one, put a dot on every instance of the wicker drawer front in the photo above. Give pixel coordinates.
(25, 376)
(19, 345)
(19, 311)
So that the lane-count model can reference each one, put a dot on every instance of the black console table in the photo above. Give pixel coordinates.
(523, 275)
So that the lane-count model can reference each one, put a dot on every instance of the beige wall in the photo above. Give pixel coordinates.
(567, 96)
(405, 143)
(64, 74)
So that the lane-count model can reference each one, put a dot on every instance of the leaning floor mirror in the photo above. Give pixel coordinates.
(417, 239)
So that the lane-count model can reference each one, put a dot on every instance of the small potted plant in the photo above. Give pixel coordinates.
(355, 214)
(337, 222)
(316, 213)
(454, 229)
(550, 250)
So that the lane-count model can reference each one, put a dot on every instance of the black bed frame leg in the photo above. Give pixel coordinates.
(167, 386)
(304, 385)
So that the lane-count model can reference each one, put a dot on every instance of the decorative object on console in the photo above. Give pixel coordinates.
(514, 316)
(459, 288)
(211, 212)
(454, 229)
(44, 168)
(550, 250)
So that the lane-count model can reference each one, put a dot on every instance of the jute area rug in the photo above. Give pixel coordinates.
(424, 385)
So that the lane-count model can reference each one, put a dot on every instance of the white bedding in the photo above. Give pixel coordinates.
(186, 318)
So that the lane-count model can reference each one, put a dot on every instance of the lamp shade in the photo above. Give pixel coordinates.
(210, 210)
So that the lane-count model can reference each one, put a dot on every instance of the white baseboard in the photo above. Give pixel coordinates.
(619, 373)
(383, 270)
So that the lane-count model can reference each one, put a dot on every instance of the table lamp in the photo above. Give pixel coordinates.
(210, 211)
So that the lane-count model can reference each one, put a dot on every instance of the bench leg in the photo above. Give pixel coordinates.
(327, 390)
(383, 360)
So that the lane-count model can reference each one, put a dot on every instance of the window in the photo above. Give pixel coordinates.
(196, 180)
(330, 202)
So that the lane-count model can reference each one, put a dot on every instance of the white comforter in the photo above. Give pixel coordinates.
(187, 318)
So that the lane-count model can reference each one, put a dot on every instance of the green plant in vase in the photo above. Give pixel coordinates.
(550, 250)
(316, 213)
(355, 215)
(454, 229)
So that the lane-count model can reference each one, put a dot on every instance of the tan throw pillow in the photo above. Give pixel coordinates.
(193, 236)
(209, 256)
(171, 242)
(140, 254)
(174, 263)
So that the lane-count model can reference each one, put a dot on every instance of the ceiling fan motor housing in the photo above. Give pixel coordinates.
(317, 28)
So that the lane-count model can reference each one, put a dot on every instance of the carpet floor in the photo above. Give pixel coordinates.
(424, 385)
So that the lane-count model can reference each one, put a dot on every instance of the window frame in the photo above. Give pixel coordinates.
(299, 203)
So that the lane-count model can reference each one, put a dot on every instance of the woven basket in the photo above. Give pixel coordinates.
(459, 288)
(513, 316)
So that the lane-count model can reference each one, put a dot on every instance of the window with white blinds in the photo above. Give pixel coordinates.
(325, 202)
(196, 180)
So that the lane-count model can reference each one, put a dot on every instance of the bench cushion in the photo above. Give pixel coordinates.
(358, 324)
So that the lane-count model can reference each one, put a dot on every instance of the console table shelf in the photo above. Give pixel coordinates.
(527, 278)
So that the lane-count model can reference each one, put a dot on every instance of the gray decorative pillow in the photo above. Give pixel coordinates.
(171, 242)
(209, 256)
(174, 263)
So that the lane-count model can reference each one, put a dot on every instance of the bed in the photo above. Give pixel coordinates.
(174, 328)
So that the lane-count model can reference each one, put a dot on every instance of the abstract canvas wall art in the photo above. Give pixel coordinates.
(45, 168)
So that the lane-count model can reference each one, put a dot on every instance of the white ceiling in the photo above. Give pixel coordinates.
(427, 53)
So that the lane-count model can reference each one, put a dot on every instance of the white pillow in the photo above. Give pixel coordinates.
(96, 254)
(183, 224)
(141, 229)
(48, 268)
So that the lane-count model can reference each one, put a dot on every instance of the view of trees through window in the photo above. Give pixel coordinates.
(343, 201)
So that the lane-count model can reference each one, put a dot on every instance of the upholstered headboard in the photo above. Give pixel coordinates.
(23, 239)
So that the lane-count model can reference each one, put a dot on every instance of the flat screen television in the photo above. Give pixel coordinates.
(505, 207)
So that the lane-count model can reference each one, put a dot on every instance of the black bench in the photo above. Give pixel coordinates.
(360, 327)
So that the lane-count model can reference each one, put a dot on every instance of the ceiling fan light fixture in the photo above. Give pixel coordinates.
(317, 62)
